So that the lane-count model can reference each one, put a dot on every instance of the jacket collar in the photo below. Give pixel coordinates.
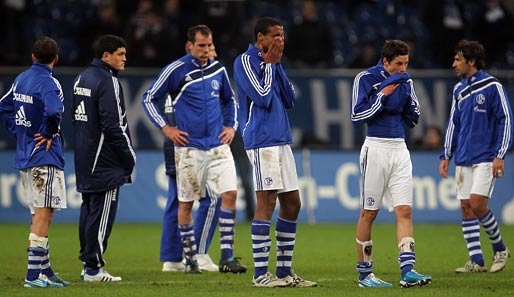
(196, 62)
(99, 63)
(41, 67)
(253, 50)
(474, 77)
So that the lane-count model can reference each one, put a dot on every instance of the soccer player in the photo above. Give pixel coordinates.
(206, 218)
(207, 215)
(32, 110)
(104, 157)
(384, 98)
(478, 134)
(205, 114)
(264, 94)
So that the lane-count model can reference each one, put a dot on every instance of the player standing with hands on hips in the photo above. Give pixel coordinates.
(384, 98)
(264, 94)
(32, 110)
(205, 122)
(478, 135)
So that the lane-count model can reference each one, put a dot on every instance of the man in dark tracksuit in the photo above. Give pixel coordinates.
(104, 157)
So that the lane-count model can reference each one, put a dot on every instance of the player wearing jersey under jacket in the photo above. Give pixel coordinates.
(384, 98)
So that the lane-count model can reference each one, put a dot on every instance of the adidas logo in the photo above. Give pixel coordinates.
(168, 105)
(80, 112)
(188, 78)
(21, 119)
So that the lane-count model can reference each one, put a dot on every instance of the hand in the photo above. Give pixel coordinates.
(227, 135)
(41, 140)
(389, 89)
(443, 168)
(498, 168)
(275, 51)
(174, 134)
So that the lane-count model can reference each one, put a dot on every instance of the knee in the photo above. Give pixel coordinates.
(404, 212)
(478, 208)
(467, 211)
(290, 201)
(271, 205)
(229, 195)
(368, 215)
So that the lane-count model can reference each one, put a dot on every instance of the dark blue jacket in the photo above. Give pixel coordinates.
(104, 157)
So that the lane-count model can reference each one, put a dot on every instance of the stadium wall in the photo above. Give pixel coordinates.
(329, 182)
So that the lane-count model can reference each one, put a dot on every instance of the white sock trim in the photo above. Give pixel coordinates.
(38, 241)
(406, 244)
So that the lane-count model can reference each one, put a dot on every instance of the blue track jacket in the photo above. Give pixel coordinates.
(34, 104)
(202, 99)
(479, 128)
(104, 157)
(264, 93)
(384, 114)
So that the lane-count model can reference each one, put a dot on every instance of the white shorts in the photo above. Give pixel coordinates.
(44, 187)
(198, 169)
(477, 179)
(274, 168)
(386, 173)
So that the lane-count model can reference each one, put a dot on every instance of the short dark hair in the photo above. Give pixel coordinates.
(107, 43)
(263, 24)
(394, 48)
(472, 50)
(203, 29)
(45, 49)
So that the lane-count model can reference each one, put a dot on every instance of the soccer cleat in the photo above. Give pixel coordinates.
(82, 273)
(205, 263)
(192, 268)
(173, 266)
(413, 278)
(101, 276)
(57, 279)
(372, 281)
(231, 266)
(41, 282)
(499, 260)
(295, 281)
(268, 280)
(471, 266)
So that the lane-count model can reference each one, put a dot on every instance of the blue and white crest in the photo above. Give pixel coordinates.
(370, 201)
(480, 99)
(215, 84)
(268, 181)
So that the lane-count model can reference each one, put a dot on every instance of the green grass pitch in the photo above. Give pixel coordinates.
(325, 253)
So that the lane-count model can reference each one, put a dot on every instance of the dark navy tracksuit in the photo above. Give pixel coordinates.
(104, 157)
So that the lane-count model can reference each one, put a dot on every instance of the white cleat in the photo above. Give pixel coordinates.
(471, 266)
(295, 281)
(499, 260)
(101, 276)
(205, 262)
(173, 266)
(268, 280)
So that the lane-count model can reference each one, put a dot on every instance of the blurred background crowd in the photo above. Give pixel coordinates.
(320, 34)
